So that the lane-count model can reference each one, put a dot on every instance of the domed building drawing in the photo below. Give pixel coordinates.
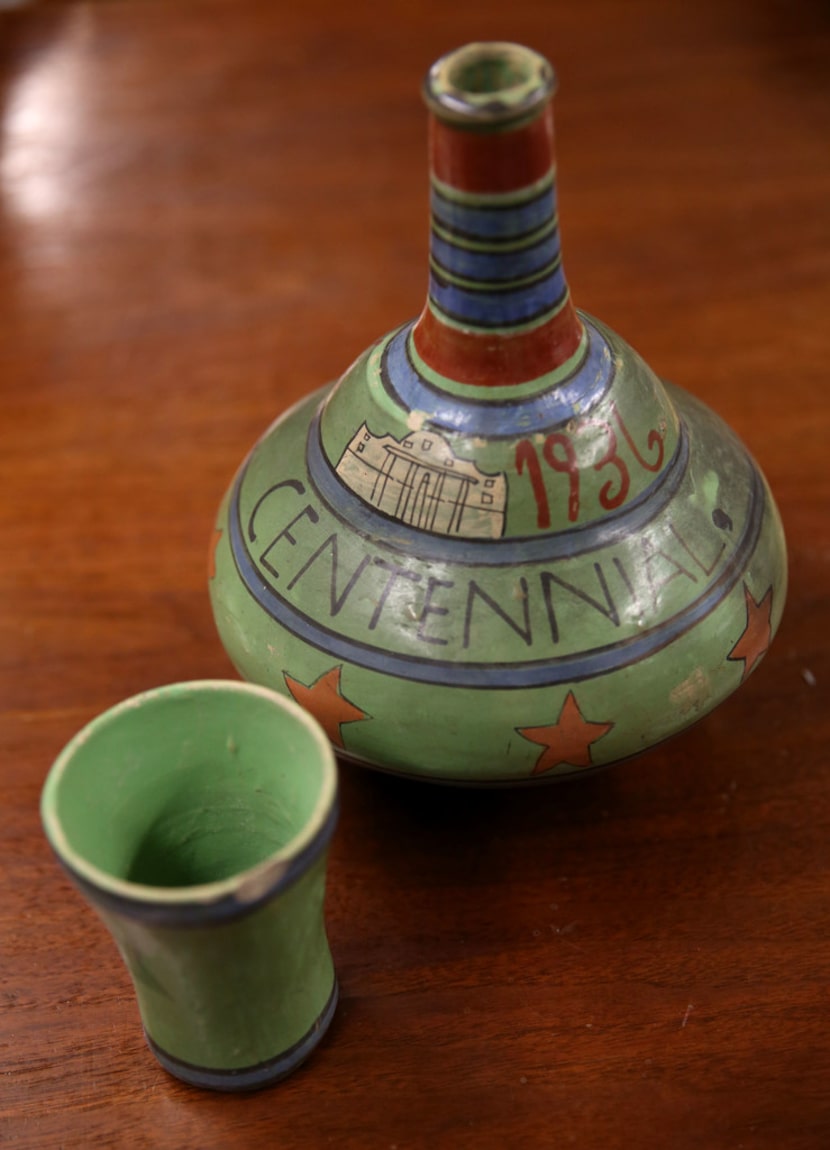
(419, 481)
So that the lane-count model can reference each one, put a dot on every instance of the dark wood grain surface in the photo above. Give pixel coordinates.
(208, 210)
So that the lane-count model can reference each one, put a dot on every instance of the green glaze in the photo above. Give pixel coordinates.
(605, 597)
(498, 574)
(195, 818)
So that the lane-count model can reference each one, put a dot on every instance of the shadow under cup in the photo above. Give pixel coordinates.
(196, 820)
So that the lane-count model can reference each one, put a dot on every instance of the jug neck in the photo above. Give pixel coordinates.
(498, 311)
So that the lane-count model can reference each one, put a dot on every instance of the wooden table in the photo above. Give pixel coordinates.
(209, 208)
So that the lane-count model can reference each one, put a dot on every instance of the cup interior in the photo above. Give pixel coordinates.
(189, 785)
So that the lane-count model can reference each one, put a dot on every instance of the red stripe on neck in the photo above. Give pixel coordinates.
(492, 161)
(490, 360)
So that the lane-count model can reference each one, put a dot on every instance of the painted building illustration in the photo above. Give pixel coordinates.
(419, 481)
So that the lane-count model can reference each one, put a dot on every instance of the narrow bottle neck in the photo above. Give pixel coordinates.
(498, 310)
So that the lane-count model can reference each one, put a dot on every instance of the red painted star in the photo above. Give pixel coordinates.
(568, 740)
(326, 702)
(756, 636)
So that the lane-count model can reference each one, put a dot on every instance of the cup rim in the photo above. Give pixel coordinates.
(223, 898)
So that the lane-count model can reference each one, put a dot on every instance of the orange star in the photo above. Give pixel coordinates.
(325, 701)
(214, 543)
(568, 740)
(756, 636)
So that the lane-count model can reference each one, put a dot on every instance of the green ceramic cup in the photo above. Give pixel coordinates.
(196, 820)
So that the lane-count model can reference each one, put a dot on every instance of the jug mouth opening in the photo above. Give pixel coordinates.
(488, 84)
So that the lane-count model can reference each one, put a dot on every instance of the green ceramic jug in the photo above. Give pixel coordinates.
(499, 549)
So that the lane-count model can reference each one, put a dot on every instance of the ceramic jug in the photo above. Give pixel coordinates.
(499, 549)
